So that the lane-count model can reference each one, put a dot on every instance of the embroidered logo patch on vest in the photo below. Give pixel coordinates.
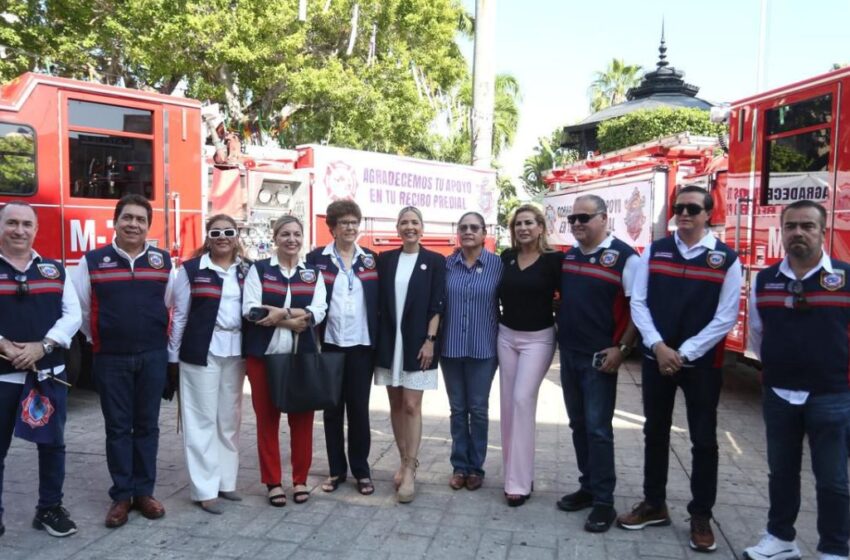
(663, 255)
(368, 261)
(715, 259)
(774, 286)
(203, 280)
(36, 409)
(307, 276)
(48, 270)
(156, 260)
(609, 257)
(832, 280)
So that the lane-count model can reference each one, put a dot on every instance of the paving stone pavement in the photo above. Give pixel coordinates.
(440, 523)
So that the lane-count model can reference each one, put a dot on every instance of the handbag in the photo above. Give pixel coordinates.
(304, 381)
(41, 413)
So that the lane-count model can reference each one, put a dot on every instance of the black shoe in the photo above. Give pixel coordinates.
(2, 529)
(600, 519)
(56, 521)
(576, 501)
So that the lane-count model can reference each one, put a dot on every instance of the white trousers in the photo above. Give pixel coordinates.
(524, 359)
(211, 411)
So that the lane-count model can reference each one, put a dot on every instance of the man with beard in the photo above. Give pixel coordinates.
(124, 289)
(799, 320)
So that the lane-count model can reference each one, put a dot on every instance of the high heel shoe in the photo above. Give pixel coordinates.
(407, 489)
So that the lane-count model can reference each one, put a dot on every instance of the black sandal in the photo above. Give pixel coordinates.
(277, 497)
(300, 496)
(365, 486)
(332, 483)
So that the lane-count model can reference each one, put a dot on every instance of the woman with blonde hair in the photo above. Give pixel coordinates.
(412, 288)
(205, 350)
(526, 342)
(292, 296)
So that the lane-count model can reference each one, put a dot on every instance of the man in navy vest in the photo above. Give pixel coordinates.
(124, 289)
(39, 312)
(594, 321)
(684, 302)
(799, 320)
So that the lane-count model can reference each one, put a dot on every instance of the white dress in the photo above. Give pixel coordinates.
(397, 376)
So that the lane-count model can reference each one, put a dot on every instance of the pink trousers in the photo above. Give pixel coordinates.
(524, 359)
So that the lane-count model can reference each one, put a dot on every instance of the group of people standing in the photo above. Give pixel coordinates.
(396, 316)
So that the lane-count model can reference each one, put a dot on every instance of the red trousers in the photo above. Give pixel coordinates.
(268, 431)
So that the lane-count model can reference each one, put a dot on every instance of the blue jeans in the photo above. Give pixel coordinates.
(590, 395)
(468, 382)
(701, 387)
(130, 387)
(823, 418)
(51, 458)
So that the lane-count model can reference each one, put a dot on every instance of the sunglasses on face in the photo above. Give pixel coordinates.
(228, 233)
(796, 289)
(581, 218)
(692, 209)
(23, 285)
(474, 228)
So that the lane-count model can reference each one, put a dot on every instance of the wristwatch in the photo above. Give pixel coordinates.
(431, 338)
(47, 347)
(625, 350)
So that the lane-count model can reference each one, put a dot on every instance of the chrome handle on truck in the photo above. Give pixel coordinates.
(738, 204)
(176, 198)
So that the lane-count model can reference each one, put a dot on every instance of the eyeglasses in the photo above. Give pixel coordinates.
(229, 233)
(800, 302)
(581, 218)
(348, 224)
(474, 228)
(23, 285)
(692, 209)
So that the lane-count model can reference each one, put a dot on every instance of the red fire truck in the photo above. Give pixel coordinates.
(791, 143)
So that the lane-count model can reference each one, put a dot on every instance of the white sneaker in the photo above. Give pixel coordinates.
(771, 548)
(832, 557)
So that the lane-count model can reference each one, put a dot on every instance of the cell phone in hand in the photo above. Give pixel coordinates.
(599, 359)
(257, 313)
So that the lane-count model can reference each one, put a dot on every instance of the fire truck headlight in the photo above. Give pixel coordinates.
(264, 196)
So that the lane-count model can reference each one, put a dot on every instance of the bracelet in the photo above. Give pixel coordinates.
(431, 338)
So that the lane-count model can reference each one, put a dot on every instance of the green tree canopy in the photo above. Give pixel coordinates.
(611, 85)
(547, 155)
(649, 124)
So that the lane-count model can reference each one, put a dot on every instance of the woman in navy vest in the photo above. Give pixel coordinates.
(351, 278)
(408, 349)
(206, 340)
(526, 343)
(293, 293)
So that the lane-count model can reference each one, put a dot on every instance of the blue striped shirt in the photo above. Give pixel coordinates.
(471, 316)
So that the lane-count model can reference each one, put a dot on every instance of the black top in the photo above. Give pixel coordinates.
(426, 293)
(527, 295)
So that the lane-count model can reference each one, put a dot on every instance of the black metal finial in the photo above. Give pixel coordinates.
(662, 49)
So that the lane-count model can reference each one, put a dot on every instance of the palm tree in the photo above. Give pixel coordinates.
(610, 86)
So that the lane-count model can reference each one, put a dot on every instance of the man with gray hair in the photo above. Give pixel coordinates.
(39, 312)
(595, 334)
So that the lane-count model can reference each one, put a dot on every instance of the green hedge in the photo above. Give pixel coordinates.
(649, 124)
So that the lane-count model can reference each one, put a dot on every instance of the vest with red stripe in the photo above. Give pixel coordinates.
(806, 349)
(128, 312)
(205, 285)
(365, 268)
(28, 317)
(255, 338)
(683, 295)
(594, 309)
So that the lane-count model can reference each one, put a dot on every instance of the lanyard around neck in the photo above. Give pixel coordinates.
(341, 265)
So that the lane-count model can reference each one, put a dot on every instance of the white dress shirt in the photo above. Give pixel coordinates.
(62, 331)
(227, 335)
(629, 269)
(347, 323)
(727, 307)
(82, 284)
(281, 342)
(756, 328)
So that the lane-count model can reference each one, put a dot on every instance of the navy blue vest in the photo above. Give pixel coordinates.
(683, 295)
(256, 339)
(128, 312)
(205, 285)
(364, 268)
(806, 350)
(594, 309)
(28, 317)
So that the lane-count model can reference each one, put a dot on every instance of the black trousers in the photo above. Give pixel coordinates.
(356, 387)
(701, 388)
